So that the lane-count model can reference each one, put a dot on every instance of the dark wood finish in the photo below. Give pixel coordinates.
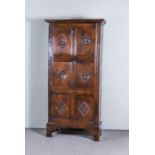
(102, 21)
(60, 109)
(85, 75)
(61, 36)
(83, 108)
(73, 74)
(62, 75)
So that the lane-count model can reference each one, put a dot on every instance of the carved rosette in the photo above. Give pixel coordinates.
(85, 39)
(84, 108)
(62, 75)
(62, 41)
(85, 76)
(61, 107)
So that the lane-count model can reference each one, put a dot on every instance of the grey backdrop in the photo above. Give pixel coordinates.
(115, 56)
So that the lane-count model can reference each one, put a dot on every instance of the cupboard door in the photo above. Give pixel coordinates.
(60, 107)
(86, 42)
(83, 108)
(61, 35)
(61, 75)
(84, 75)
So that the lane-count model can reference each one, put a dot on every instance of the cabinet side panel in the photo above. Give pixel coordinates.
(99, 48)
(97, 74)
(49, 71)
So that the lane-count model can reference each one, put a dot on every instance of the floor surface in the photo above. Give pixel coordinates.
(112, 142)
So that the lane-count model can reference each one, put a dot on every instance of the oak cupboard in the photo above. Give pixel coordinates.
(74, 75)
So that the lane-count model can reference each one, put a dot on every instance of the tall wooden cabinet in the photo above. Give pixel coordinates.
(73, 75)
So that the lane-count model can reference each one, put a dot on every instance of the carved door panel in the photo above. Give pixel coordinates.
(60, 107)
(86, 42)
(84, 75)
(61, 75)
(83, 108)
(61, 35)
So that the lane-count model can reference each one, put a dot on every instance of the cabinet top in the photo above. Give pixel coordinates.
(103, 21)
